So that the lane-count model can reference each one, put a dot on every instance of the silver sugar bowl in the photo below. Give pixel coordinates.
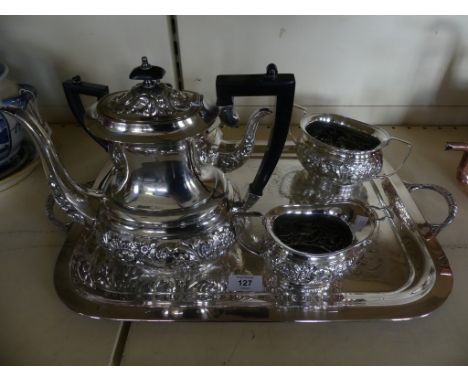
(343, 150)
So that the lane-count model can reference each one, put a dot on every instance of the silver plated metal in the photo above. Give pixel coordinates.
(400, 275)
(432, 230)
(165, 201)
(343, 150)
(303, 187)
(213, 150)
(313, 245)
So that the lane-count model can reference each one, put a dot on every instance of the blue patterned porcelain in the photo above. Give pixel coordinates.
(12, 133)
(11, 137)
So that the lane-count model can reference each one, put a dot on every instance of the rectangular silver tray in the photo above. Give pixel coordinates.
(402, 276)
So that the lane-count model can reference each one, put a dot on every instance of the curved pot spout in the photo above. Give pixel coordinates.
(231, 156)
(78, 202)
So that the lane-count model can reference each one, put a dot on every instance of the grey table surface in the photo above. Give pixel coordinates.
(36, 328)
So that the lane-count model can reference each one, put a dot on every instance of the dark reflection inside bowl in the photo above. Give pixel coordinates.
(342, 137)
(313, 234)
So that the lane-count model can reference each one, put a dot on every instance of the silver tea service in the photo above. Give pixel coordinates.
(158, 234)
(164, 203)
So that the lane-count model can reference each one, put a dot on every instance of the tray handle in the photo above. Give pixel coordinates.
(430, 230)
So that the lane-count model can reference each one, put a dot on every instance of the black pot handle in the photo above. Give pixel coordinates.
(73, 89)
(270, 84)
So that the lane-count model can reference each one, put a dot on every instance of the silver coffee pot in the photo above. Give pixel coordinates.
(166, 200)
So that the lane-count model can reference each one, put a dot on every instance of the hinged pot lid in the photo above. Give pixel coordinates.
(151, 111)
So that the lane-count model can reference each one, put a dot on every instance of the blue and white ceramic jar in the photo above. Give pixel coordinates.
(12, 133)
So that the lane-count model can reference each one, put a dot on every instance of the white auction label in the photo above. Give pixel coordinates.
(245, 283)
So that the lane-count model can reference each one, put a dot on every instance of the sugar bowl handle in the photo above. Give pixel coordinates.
(405, 158)
(430, 230)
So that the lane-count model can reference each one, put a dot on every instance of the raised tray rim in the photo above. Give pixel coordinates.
(422, 307)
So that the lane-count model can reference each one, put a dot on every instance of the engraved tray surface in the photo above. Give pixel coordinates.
(401, 276)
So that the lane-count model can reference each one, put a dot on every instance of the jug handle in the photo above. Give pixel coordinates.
(409, 147)
(270, 84)
(295, 136)
(73, 89)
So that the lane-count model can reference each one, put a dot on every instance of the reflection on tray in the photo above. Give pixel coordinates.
(399, 276)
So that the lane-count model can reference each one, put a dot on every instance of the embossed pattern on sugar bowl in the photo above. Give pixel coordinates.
(341, 149)
(310, 247)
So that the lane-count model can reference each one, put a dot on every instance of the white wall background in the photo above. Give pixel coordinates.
(46, 50)
(380, 69)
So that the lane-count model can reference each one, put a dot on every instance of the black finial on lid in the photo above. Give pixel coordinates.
(147, 72)
(272, 72)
